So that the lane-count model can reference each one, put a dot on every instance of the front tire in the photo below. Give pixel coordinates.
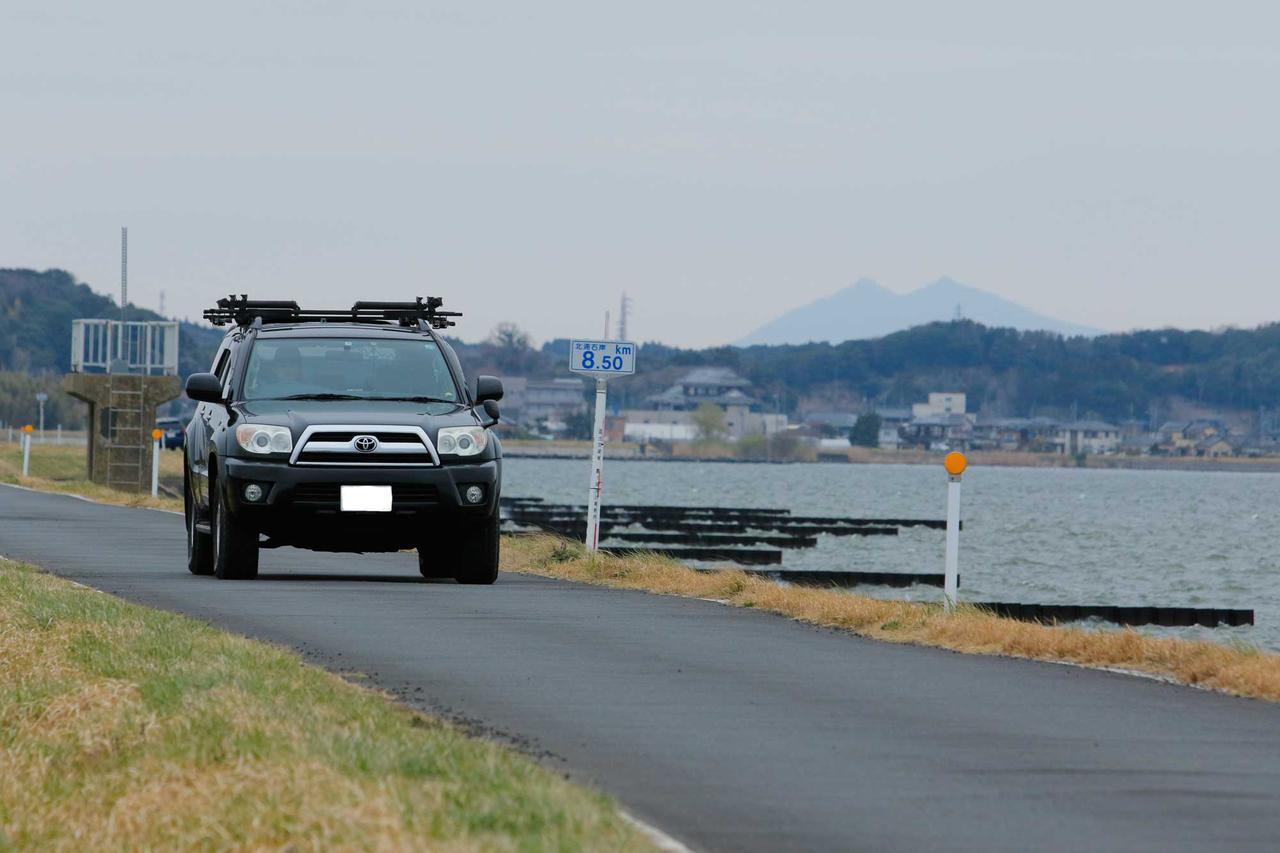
(475, 560)
(235, 546)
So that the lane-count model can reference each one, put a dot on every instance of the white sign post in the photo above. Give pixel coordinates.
(40, 399)
(26, 450)
(156, 435)
(601, 359)
(955, 463)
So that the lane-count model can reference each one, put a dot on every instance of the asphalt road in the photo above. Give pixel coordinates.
(730, 729)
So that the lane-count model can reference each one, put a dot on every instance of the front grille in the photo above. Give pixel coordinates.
(341, 445)
(422, 458)
(384, 437)
(328, 495)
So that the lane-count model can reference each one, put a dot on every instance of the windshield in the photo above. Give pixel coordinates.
(338, 368)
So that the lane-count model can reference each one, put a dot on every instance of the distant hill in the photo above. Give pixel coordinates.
(867, 310)
(36, 310)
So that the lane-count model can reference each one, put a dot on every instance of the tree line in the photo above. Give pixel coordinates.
(1003, 371)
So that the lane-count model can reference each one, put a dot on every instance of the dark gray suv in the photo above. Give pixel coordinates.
(341, 431)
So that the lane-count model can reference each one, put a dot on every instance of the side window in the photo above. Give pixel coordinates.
(222, 368)
(224, 372)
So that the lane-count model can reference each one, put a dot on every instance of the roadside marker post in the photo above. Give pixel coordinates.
(26, 449)
(954, 463)
(601, 359)
(155, 461)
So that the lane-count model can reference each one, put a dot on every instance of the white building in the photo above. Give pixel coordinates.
(1087, 437)
(941, 404)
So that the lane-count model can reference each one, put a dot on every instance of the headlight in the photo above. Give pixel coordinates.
(462, 441)
(260, 438)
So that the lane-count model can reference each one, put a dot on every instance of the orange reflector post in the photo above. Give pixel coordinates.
(28, 428)
(156, 434)
(955, 463)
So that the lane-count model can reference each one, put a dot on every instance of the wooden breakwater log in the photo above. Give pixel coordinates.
(811, 530)
(645, 508)
(578, 531)
(1208, 617)
(556, 520)
(761, 519)
(663, 537)
(741, 556)
(821, 578)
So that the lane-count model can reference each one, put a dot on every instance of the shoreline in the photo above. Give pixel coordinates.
(581, 450)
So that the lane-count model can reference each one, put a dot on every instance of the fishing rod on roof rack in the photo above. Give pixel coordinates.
(242, 311)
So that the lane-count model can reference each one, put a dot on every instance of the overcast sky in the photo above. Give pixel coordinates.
(1113, 164)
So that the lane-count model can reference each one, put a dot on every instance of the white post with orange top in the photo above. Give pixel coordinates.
(26, 449)
(955, 463)
(155, 461)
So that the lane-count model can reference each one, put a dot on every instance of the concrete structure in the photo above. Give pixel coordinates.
(122, 413)
(123, 371)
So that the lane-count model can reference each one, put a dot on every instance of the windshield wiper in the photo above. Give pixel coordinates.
(417, 400)
(321, 397)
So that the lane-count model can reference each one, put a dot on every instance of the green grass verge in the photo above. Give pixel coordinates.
(123, 727)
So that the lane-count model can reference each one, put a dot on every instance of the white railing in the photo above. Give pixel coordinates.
(112, 346)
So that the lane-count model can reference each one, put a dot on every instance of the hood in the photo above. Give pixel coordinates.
(300, 414)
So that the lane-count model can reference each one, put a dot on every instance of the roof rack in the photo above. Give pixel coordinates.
(243, 311)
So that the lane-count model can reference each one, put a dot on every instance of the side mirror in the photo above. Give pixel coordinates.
(491, 409)
(204, 387)
(488, 388)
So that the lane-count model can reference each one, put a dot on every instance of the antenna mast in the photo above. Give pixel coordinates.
(622, 317)
(124, 270)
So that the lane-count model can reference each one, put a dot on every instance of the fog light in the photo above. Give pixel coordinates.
(253, 493)
(474, 494)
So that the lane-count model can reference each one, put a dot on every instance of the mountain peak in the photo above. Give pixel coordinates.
(865, 309)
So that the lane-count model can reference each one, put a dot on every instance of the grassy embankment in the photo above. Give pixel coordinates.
(61, 468)
(1236, 669)
(123, 727)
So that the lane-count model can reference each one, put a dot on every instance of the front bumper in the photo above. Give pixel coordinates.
(300, 503)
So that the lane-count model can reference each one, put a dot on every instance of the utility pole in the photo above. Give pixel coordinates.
(162, 303)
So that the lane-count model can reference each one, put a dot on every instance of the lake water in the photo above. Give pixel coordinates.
(1032, 535)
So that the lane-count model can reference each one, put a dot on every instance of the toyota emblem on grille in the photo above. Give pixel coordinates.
(365, 443)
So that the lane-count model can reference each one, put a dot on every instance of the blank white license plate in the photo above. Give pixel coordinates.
(366, 499)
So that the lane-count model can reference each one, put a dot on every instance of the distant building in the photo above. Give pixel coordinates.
(939, 432)
(542, 404)
(669, 414)
(1182, 438)
(1031, 434)
(1090, 437)
(941, 404)
(1214, 446)
(718, 385)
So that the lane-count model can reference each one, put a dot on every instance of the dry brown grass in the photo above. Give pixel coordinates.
(61, 468)
(1233, 669)
(125, 728)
